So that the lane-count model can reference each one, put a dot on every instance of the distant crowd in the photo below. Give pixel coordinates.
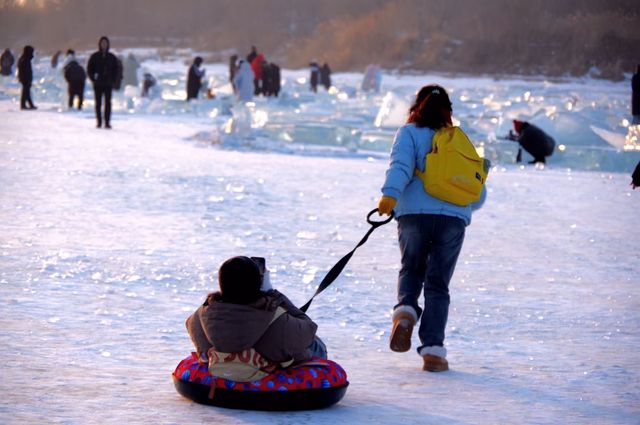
(105, 71)
(249, 76)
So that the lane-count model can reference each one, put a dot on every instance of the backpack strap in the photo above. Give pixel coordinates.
(435, 147)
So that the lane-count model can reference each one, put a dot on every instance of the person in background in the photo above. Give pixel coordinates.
(130, 70)
(244, 81)
(6, 62)
(533, 140)
(233, 67)
(75, 76)
(25, 76)
(194, 78)
(635, 96)
(252, 55)
(148, 81)
(372, 79)
(275, 79)
(244, 317)
(266, 79)
(377, 79)
(103, 70)
(314, 76)
(325, 76)
(430, 231)
(635, 177)
(55, 58)
(256, 67)
(69, 57)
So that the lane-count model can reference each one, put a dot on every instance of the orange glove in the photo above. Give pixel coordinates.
(386, 205)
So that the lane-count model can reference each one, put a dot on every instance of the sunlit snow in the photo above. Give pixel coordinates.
(109, 239)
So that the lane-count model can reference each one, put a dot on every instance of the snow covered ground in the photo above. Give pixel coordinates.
(110, 239)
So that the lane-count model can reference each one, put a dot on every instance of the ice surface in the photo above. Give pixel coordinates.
(109, 239)
(345, 117)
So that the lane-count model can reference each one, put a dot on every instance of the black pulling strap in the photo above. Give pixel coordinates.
(339, 266)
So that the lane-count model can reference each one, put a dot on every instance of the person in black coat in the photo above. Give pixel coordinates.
(635, 96)
(103, 73)
(233, 67)
(6, 62)
(194, 79)
(325, 76)
(314, 77)
(274, 71)
(25, 76)
(266, 79)
(76, 77)
(532, 139)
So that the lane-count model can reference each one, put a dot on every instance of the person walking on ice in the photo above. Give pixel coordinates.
(430, 231)
(25, 76)
(103, 71)
(75, 76)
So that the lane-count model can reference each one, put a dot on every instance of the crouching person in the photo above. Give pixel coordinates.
(245, 332)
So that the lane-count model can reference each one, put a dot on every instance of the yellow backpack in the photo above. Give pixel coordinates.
(454, 172)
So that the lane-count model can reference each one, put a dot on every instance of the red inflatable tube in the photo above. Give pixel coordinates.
(316, 384)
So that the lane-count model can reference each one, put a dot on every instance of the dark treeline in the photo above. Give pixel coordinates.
(492, 36)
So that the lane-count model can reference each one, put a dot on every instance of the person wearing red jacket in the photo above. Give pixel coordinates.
(256, 66)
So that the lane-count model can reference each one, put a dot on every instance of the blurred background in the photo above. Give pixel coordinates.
(498, 37)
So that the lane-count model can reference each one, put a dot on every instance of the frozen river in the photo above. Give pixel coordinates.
(110, 239)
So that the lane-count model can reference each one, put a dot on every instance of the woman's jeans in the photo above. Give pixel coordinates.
(429, 246)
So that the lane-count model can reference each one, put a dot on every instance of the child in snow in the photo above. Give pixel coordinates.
(245, 315)
(430, 231)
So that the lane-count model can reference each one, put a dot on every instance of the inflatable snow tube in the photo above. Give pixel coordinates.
(315, 384)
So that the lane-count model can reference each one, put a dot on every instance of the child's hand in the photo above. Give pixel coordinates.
(386, 205)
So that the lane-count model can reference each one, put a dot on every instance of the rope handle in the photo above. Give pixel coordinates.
(339, 266)
(377, 224)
